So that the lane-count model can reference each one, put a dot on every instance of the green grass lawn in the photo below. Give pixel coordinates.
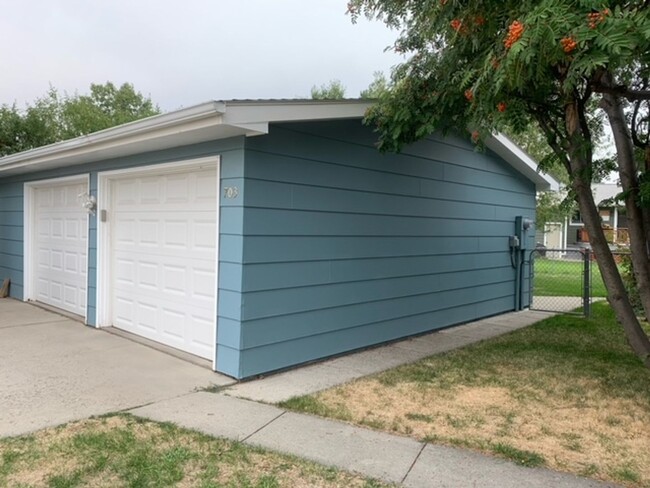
(566, 393)
(564, 278)
(121, 450)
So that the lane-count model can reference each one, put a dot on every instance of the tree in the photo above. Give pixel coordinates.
(106, 106)
(563, 66)
(334, 90)
(377, 88)
(54, 118)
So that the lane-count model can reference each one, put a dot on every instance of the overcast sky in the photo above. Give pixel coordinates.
(186, 52)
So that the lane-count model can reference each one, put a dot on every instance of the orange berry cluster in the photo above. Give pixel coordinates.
(568, 44)
(475, 136)
(479, 20)
(596, 18)
(456, 25)
(515, 30)
(469, 95)
(501, 107)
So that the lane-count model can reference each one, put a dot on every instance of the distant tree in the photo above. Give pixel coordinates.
(334, 90)
(106, 106)
(378, 86)
(54, 118)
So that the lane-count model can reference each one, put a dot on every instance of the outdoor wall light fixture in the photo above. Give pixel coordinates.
(89, 202)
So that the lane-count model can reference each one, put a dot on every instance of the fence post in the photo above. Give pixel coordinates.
(586, 288)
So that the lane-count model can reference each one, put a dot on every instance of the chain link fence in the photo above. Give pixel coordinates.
(561, 280)
(568, 280)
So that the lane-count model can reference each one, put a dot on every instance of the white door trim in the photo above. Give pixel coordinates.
(29, 222)
(103, 310)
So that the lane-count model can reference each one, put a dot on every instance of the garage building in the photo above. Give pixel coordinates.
(264, 234)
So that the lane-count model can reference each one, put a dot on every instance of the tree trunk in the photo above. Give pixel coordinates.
(580, 169)
(616, 292)
(630, 183)
(644, 209)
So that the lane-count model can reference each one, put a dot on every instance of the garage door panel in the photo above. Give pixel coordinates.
(204, 234)
(177, 189)
(174, 279)
(149, 233)
(56, 228)
(56, 261)
(70, 296)
(175, 234)
(173, 323)
(73, 229)
(123, 311)
(125, 194)
(183, 231)
(204, 284)
(164, 258)
(147, 273)
(204, 190)
(59, 246)
(201, 304)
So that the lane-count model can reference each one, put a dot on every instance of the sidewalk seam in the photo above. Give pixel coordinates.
(424, 444)
(263, 427)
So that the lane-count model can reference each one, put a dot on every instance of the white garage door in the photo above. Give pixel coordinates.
(59, 249)
(163, 258)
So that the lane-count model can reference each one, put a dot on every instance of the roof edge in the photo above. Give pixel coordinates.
(521, 161)
(219, 119)
(130, 129)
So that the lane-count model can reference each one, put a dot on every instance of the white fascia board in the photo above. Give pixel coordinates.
(521, 161)
(207, 121)
(247, 112)
(111, 142)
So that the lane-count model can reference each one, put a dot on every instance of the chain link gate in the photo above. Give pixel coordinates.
(561, 280)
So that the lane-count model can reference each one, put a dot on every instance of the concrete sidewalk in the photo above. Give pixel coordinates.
(380, 455)
(320, 376)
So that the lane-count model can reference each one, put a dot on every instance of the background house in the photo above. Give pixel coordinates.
(572, 234)
(264, 234)
(612, 216)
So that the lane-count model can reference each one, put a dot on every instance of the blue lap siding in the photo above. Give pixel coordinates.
(11, 235)
(344, 247)
(326, 245)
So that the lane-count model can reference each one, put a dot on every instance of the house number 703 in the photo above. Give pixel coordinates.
(230, 192)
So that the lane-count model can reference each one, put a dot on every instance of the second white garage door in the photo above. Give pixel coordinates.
(163, 257)
(59, 230)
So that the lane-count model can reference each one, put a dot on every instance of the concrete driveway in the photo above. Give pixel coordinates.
(54, 370)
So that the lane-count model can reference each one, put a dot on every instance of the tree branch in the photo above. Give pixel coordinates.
(633, 124)
(621, 91)
(552, 135)
(584, 125)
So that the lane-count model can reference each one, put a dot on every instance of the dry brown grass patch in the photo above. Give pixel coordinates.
(603, 432)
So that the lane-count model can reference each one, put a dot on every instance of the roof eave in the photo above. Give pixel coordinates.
(200, 123)
(522, 162)
(115, 140)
